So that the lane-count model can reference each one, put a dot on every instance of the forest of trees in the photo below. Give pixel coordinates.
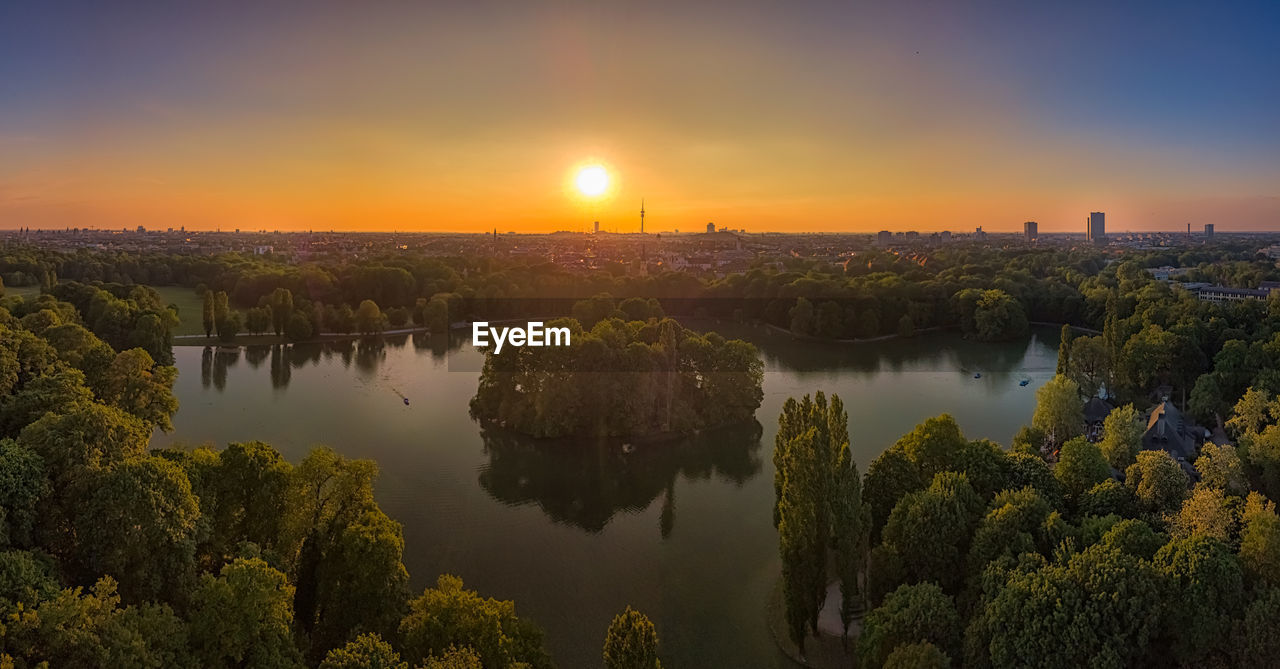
(621, 378)
(985, 557)
(114, 555)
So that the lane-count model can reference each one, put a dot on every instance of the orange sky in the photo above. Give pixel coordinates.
(466, 120)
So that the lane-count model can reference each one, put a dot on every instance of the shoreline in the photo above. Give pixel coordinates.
(271, 339)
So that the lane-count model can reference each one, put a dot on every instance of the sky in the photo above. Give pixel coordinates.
(763, 116)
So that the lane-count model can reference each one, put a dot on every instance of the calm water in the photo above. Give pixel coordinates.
(576, 532)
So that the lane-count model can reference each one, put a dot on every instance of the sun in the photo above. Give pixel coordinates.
(592, 180)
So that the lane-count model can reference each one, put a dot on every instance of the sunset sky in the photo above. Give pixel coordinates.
(765, 116)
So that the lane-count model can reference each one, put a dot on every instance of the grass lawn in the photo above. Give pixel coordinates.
(189, 308)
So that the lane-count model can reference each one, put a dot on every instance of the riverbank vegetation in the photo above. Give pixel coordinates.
(621, 378)
(115, 555)
(986, 557)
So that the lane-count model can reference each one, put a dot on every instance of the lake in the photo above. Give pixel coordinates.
(576, 532)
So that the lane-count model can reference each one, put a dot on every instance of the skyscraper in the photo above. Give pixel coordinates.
(1208, 231)
(1029, 230)
(642, 216)
(1095, 227)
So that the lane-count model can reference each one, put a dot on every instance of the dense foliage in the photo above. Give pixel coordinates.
(114, 555)
(621, 378)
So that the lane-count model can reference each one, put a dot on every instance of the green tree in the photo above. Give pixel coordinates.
(78, 629)
(257, 320)
(920, 655)
(1064, 350)
(1260, 546)
(1094, 610)
(889, 478)
(367, 651)
(1206, 514)
(1220, 467)
(911, 614)
(631, 642)
(455, 658)
(448, 616)
(1121, 437)
(931, 529)
(933, 445)
(1208, 589)
(23, 486)
(1258, 644)
(906, 327)
(298, 328)
(1090, 364)
(1059, 412)
(369, 318)
(134, 383)
(1158, 481)
(209, 312)
(138, 524)
(803, 321)
(999, 316)
(281, 302)
(850, 524)
(243, 617)
(1080, 467)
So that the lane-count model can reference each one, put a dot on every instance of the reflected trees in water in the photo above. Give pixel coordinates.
(584, 483)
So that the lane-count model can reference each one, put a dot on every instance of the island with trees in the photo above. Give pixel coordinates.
(621, 379)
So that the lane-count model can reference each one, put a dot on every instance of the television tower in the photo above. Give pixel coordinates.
(642, 216)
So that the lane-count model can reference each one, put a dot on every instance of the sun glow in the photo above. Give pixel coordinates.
(592, 180)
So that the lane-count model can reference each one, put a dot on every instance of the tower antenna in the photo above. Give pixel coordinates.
(642, 216)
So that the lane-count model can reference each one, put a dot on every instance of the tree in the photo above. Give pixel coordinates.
(931, 529)
(933, 445)
(221, 311)
(1158, 481)
(455, 658)
(906, 327)
(1208, 585)
(802, 317)
(447, 616)
(1121, 437)
(257, 320)
(1251, 413)
(1259, 645)
(921, 655)
(999, 316)
(22, 487)
(1094, 610)
(911, 614)
(1059, 412)
(369, 318)
(850, 524)
(209, 311)
(138, 524)
(134, 383)
(78, 629)
(1220, 467)
(281, 302)
(1090, 364)
(1260, 546)
(1206, 514)
(631, 642)
(802, 535)
(86, 436)
(1080, 467)
(1064, 350)
(889, 478)
(298, 328)
(367, 651)
(243, 617)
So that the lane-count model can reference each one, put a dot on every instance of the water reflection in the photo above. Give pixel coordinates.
(584, 484)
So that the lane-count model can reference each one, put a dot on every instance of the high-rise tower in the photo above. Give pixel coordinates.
(642, 216)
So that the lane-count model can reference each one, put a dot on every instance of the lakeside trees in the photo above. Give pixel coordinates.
(621, 378)
(113, 555)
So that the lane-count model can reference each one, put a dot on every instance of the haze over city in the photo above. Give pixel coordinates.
(753, 116)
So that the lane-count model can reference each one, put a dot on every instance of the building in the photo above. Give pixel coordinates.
(884, 239)
(1029, 231)
(596, 227)
(1208, 231)
(1222, 294)
(945, 236)
(711, 227)
(1272, 252)
(1096, 227)
(979, 234)
(1168, 431)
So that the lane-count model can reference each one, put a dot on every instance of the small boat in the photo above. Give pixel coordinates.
(406, 401)
(628, 448)
(977, 375)
(1024, 382)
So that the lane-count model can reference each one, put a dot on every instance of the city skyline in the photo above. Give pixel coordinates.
(818, 119)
